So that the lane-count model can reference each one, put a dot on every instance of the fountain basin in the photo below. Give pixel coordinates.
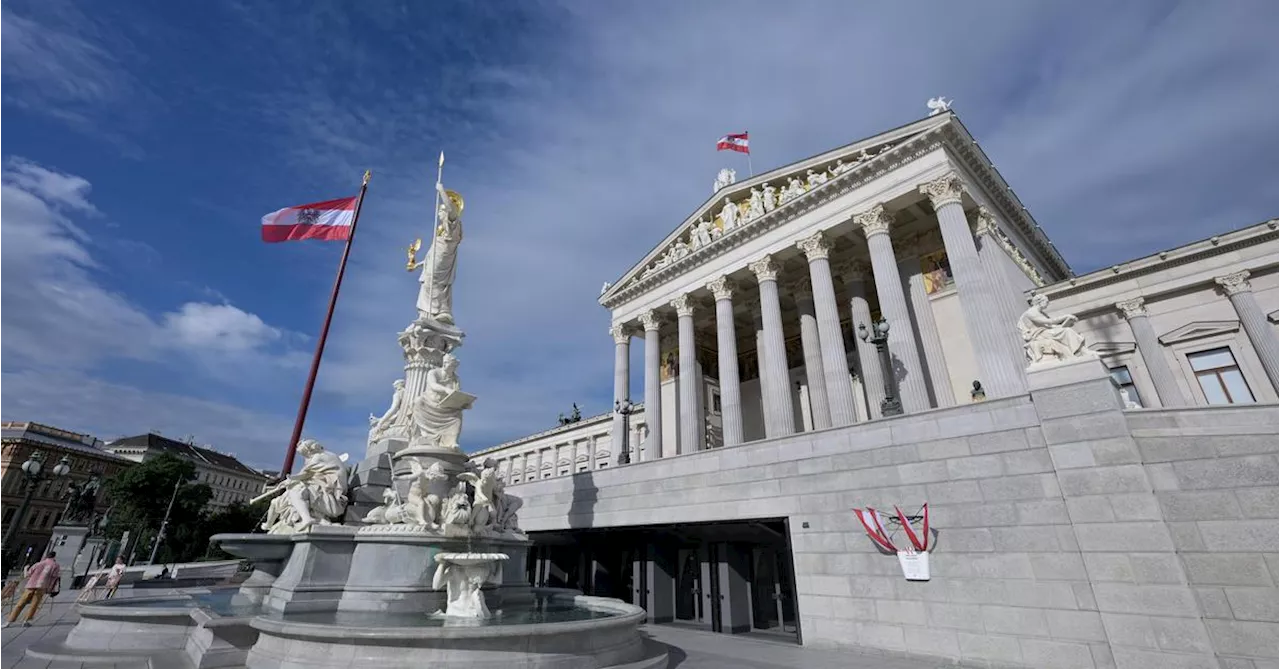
(266, 552)
(606, 637)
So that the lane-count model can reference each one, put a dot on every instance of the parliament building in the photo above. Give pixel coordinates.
(848, 332)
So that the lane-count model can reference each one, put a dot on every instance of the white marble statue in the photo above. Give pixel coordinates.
(484, 510)
(794, 189)
(769, 197)
(815, 179)
(755, 207)
(437, 412)
(839, 168)
(726, 177)
(462, 576)
(394, 415)
(729, 215)
(863, 156)
(440, 266)
(313, 496)
(508, 505)
(456, 511)
(391, 512)
(605, 288)
(1050, 337)
(702, 232)
(938, 105)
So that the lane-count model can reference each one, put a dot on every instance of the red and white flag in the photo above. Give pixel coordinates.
(733, 143)
(327, 221)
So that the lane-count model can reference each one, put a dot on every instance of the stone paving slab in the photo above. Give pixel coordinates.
(54, 623)
(692, 649)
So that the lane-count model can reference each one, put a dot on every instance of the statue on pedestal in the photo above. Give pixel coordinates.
(378, 427)
(1044, 335)
(313, 496)
(437, 412)
(435, 295)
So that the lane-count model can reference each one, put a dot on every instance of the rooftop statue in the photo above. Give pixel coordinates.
(938, 105)
(726, 177)
(439, 268)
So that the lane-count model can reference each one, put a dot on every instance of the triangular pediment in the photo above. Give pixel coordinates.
(1112, 347)
(1198, 330)
(706, 230)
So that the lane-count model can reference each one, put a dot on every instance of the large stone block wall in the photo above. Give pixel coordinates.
(1057, 542)
(1214, 473)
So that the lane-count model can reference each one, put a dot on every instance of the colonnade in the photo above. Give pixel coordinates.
(983, 292)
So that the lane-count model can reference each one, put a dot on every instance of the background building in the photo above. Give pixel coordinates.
(231, 480)
(86, 457)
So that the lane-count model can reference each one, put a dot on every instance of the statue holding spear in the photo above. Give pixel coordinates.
(435, 295)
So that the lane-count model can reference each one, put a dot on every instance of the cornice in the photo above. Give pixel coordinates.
(1184, 255)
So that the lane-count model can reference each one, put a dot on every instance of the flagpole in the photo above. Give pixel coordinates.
(324, 334)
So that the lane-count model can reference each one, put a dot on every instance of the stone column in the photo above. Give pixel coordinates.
(1162, 375)
(835, 362)
(691, 428)
(912, 388)
(762, 357)
(1260, 334)
(1011, 304)
(780, 417)
(652, 383)
(727, 351)
(927, 328)
(812, 348)
(621, 379)
(1001, 376)
(855, 276)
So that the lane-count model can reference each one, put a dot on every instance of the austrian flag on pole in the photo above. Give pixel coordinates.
(733, 143)
(327, 221)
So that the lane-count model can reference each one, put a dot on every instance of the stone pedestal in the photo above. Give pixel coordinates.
(266, 552)
(316, 572)
(67, 542)
(370, 478)
(452, 461)
(392, 567)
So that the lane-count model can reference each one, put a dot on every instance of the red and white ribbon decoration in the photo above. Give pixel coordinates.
(874, 526)
(873, 523)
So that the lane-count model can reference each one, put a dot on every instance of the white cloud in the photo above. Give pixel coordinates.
(217, 327)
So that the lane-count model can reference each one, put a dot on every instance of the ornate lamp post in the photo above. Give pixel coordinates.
(34, 472)
(879, 335)
(625, 408)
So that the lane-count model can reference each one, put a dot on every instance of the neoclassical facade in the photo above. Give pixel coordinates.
(749, 311)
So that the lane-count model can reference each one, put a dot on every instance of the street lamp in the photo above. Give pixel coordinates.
(625, 408)
(33, 472)
(879, 335)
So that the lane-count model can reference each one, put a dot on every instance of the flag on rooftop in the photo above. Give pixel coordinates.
(736, 142)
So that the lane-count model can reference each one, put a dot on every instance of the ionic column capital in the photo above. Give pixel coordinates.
(765, 269)
(944, 190)
(815, 246)
(683, 305)
(874, 220)
(621, 333)
(1132, 309)
(1234, 283)
(651, 321)
(721, 287)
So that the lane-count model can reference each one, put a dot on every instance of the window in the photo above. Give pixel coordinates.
(8, 514)
(1129, 392)
(1219, 377)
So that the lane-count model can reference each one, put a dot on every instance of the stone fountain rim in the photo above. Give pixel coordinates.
(472, 557)
(629, 615)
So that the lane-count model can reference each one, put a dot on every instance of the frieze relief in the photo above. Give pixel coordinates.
(739, 210)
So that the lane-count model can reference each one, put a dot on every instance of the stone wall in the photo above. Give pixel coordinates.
(1214, 471)
(1058, 541)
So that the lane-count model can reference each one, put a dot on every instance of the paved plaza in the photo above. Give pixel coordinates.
(689, 649)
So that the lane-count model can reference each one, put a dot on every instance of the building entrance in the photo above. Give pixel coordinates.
(732, 577)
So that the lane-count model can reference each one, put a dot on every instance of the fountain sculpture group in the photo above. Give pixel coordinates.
(414, 559)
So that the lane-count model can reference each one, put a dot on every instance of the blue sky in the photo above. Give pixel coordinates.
(145, 140)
